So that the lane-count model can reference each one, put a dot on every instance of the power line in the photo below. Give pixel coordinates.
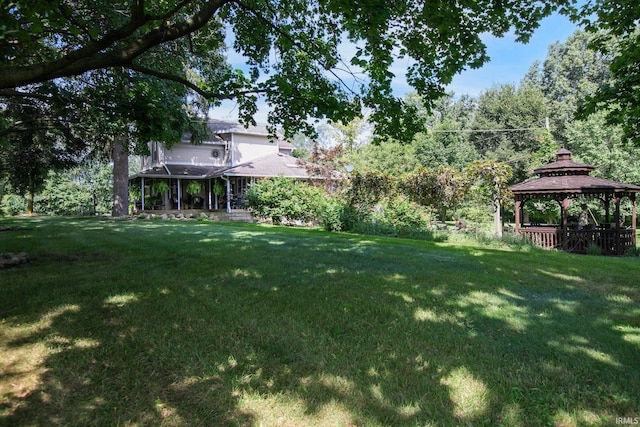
(486, 130)
(546, 127)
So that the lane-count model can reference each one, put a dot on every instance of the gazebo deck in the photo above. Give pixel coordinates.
(611, 241)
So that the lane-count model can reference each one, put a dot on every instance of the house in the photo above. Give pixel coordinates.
(215, 173)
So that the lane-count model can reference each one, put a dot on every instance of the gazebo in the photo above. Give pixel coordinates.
(564, 181)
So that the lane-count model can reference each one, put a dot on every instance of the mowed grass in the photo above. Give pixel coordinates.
(143, 323)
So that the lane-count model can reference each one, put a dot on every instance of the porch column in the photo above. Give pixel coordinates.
(142, 193)
(210, 191)
(179, 194)
(228, 182)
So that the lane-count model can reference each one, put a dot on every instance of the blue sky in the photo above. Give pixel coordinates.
(509, 62)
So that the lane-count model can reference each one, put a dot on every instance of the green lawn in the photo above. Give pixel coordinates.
(203, 323)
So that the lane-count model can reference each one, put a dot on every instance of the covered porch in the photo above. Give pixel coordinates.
(565, 181)
(185, 189)
(204, 188)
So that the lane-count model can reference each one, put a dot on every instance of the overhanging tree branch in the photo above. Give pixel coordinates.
(116, 48)
(183, 81)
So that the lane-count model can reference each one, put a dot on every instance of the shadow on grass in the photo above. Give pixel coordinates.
(201, 324)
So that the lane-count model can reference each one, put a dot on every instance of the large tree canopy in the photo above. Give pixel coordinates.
(292, 48)
(619, 41)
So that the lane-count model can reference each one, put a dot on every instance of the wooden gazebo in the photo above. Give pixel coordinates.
(564, 181)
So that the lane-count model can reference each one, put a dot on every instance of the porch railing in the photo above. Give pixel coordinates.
(610, 241)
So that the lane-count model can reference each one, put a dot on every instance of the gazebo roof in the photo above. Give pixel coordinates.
(566, 177)
(563, 166)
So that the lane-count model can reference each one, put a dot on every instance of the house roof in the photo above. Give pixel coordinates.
(223, 127)
(268, 166)
(274, 165)
(179, 171)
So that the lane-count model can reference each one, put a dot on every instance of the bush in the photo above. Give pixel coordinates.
(332, 215)
(286, 200)
(13, 204)
(404, 217)
(84, 190)
(594, 249)
(632, 252)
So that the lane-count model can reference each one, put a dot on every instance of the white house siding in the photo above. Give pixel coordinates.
(249, 147)
(195, 155)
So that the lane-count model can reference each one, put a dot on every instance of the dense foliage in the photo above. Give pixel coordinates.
(305, 78)
(285, 200)
(82, 190)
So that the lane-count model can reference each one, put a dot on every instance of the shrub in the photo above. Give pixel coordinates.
(594, 249)
(13, 204)
(285, 200)
(632, 252)
(401, 215)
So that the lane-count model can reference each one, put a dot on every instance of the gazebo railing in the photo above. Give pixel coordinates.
(610, 241)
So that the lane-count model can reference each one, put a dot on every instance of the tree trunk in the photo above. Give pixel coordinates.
(120, 179)
(30, 198)
(497, 221)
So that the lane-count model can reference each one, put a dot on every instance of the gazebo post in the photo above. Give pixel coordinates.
(633, 211)
(564, 237)
(518, 211)
(633, 218)
(616, 237)
(564, 207)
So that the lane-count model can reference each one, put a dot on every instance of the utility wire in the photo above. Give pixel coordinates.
(485, 130)
(546, 126)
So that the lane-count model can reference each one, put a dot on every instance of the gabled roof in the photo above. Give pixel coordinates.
(274, 165)
(223, 127)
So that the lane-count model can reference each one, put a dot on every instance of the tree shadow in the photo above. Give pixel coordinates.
(345, 336)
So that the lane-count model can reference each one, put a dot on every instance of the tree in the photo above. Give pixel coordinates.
(615, 24)
(442, 188)
(123, 112)
(446, 141)
(81, 190)
(27, 156)
(570, 73)
(493, 178)
(389, 156)
(605, 147)
(291, 49)
(512, 122)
